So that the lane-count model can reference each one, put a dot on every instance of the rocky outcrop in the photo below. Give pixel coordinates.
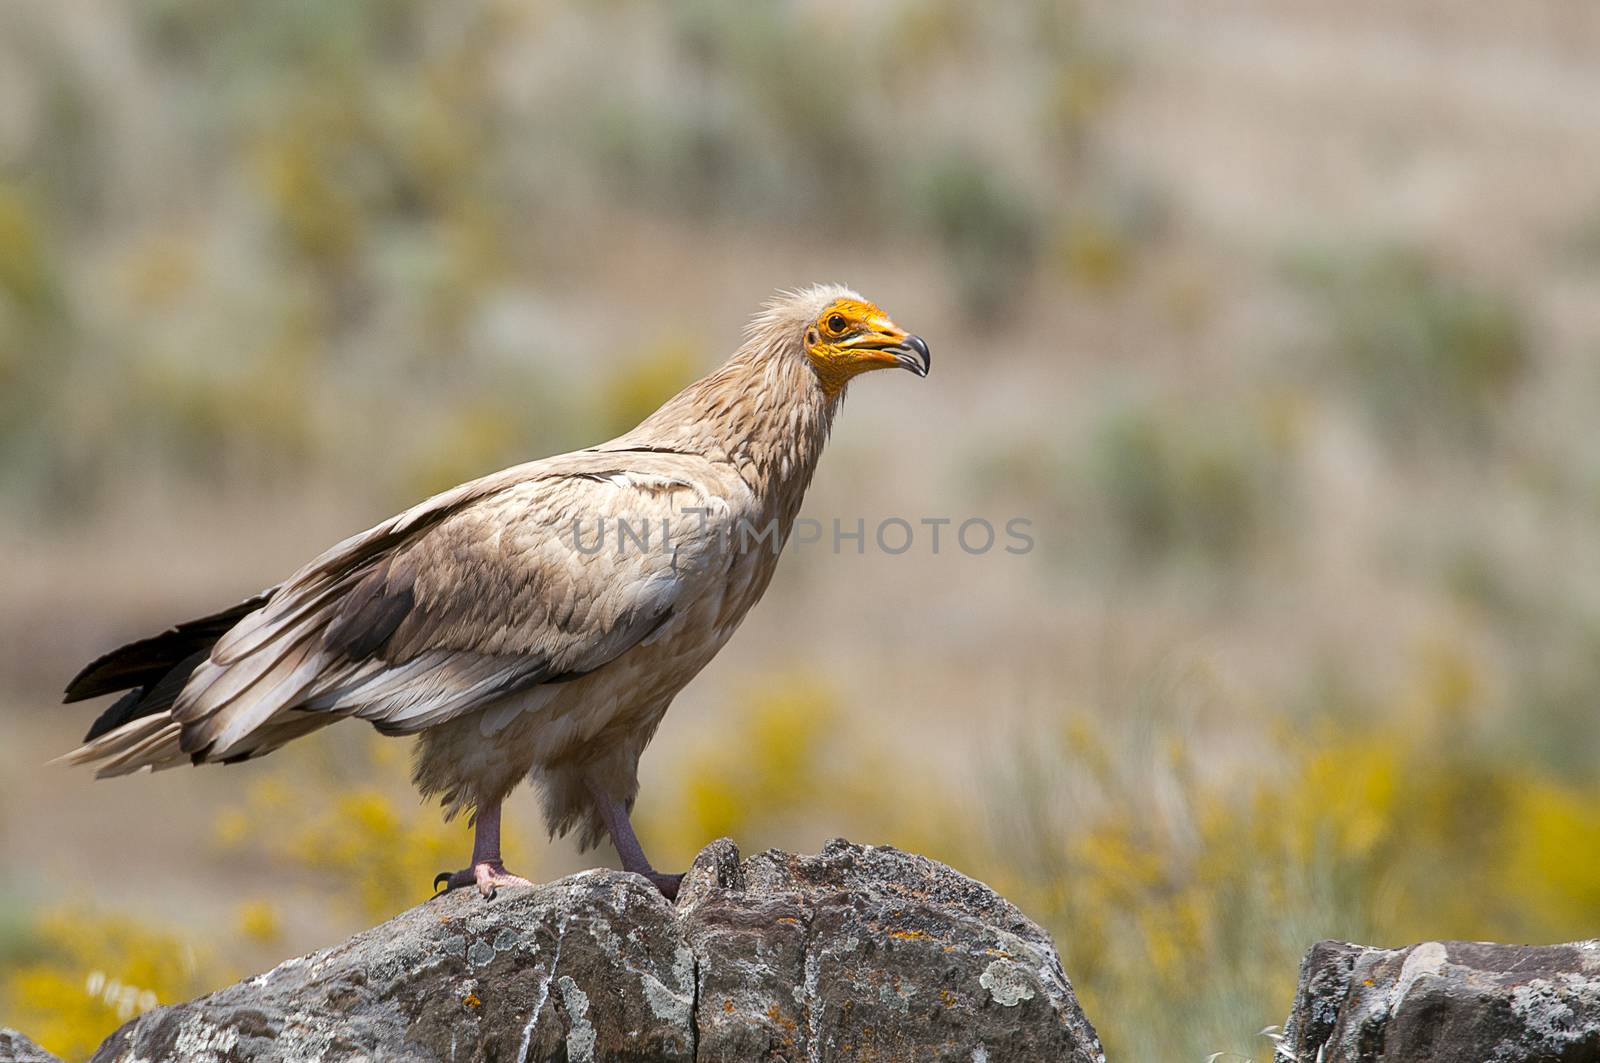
(1446, 1001)
(15, 1048)
(856, 953)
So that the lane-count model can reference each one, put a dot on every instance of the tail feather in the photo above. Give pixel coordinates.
(156, 724)
(146, 700)
(145, 662)
(154, 743)
(153, 671)
(246, 702)
(147, 743)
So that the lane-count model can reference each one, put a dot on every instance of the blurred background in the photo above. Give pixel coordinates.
(1280, 321)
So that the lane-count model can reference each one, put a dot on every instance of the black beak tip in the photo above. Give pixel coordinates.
(918, 344)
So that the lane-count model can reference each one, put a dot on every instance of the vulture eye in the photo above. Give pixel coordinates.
(836, 323)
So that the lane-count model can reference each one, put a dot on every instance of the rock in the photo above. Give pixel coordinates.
(1450, 1000)
(859, 952)
(15, 1048)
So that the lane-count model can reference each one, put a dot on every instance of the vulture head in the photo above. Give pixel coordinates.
(840, 334)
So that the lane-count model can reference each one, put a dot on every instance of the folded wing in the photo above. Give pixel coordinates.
(485, 591)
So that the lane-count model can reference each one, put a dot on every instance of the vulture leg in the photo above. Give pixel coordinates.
(615, 815)
(486, 872)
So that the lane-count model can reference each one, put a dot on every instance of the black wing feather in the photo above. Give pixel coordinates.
(147, 700)
(142, 663)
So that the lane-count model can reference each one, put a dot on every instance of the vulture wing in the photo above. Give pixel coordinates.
(492, 588)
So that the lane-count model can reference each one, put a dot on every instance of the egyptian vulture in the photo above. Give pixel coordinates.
(501, 624)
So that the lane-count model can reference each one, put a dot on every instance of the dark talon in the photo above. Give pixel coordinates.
(492, 894)
(441, 879)
(667, 884)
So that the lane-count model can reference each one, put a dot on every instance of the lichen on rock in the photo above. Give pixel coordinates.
(1446, 1000)
(856, 952)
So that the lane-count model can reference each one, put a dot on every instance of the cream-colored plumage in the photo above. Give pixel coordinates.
(506, 621)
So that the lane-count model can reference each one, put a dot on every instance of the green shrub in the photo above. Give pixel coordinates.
(986, 228)
(1429, 355)
(1209, 482)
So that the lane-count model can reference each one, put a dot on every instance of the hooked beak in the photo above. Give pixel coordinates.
(891, 347)
(912, 353)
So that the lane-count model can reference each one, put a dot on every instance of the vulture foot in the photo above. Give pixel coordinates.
(614, 813)
(667, 884)
(488, 877)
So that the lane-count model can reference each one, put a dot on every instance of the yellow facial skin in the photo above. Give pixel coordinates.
(852, 337)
